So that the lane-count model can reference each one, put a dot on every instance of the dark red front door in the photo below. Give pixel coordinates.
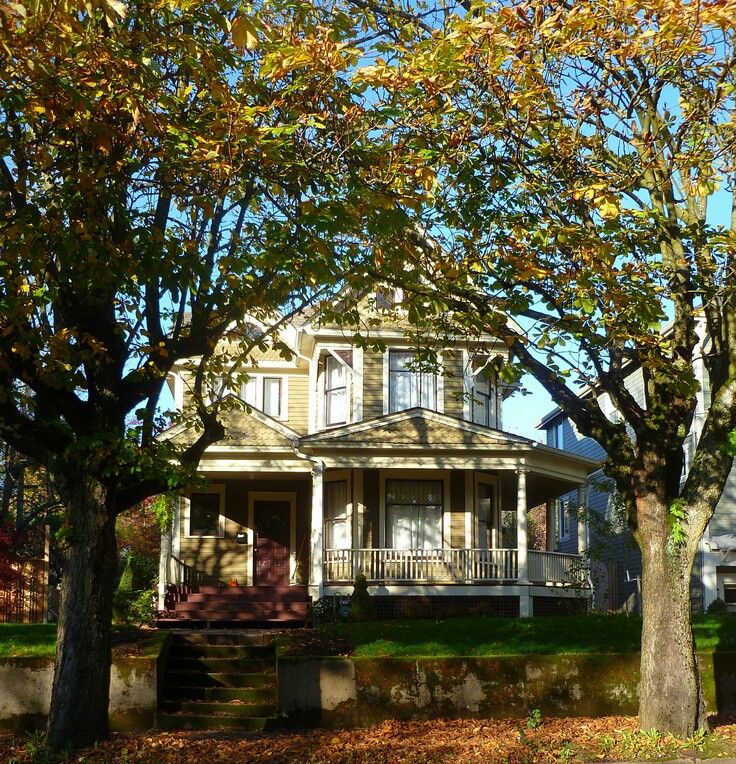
(272, 520)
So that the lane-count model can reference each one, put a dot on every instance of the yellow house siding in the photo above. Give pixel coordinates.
(372, 384)
(453, 383)
(298, 403)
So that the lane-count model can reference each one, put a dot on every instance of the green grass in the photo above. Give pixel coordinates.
(37, 640)
(485, 637)
(21, 640)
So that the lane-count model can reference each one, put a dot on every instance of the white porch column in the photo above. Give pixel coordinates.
(164, 565)
(582, 519)
(522, 544)
(315, 575)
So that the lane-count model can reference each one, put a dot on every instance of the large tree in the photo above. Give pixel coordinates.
(166, 168)
(582, 160)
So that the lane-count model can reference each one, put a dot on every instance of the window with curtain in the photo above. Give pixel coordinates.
(265, 394)
(414, 514)
(408, 386)
(336, 392)
(337, 531)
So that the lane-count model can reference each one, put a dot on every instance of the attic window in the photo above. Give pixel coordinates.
(385, 298)
(252, 332)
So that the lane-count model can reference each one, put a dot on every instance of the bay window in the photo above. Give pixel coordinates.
(336, 392)
(414, 514)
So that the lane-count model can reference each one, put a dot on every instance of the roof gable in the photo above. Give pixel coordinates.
(415, 427)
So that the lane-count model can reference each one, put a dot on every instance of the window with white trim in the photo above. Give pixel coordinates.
(483, 400)
(408, 386)
(563, 519)
(267, 394)
(484, 516)
(336, 392)
(337, 532)
(414, 514)
(204, 513)
(556, 435)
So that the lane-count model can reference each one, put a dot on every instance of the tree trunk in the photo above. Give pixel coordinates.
(670, 693)
(81, 689)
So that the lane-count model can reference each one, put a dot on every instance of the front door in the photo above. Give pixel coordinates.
(271, 524)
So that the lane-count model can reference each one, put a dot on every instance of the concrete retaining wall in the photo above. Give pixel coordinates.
(351, 692)
(25, 692)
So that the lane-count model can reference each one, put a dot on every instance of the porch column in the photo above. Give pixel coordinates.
(521, 545)
(315, 575)
(582, 519)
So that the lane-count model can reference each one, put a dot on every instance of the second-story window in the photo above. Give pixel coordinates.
(408, 386)
(336, 392)
(266, 394)
(484, 401)
(556, 435)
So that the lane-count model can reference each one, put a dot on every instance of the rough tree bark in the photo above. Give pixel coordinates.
(670, 688)
(80, 694)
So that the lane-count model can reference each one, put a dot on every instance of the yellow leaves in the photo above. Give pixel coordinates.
(244, 32)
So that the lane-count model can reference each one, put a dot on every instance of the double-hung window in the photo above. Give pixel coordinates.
(556, 435)
(408, 386)
(266, 394)
(483, 400)
(204, 513)
(336, 392)
(563, 519)
(414, 514)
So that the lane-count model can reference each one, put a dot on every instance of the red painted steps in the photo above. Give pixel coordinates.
(253, 605)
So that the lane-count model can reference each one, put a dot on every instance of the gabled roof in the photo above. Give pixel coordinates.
(422, 429)
(246, 429)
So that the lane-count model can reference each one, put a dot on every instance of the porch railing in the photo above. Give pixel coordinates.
(421, 565)
(451, 566)
(556, 568)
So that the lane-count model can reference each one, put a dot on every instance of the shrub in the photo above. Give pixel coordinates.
(326, 610)
(362, 607)
(142, 608)
(717, 607)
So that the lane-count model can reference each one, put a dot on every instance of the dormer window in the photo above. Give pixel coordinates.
(409, 387)
(386, 298)
(336, 392)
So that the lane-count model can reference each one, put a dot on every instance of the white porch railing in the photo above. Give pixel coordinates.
(421, 565)
(556, 568)
(449, 566)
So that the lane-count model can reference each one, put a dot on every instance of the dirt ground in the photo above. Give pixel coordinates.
(421, 742)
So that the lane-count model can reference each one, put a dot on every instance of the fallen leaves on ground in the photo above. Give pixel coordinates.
(395, 742)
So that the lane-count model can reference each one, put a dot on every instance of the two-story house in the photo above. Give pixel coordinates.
(615, 558)
(348, 460)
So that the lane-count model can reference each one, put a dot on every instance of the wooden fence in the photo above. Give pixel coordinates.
(24, 592)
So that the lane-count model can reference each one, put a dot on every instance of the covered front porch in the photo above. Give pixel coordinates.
(442, 512)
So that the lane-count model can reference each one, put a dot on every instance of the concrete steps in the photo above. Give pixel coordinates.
(216, 681)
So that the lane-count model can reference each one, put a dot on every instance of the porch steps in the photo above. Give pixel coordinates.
(219, 681)
(251, 605)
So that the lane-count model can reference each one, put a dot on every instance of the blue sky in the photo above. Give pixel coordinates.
(521, 413)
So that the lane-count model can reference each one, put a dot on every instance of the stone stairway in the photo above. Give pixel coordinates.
(219, 681)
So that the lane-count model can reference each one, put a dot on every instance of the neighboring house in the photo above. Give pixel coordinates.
(353, 460)
(615, 557)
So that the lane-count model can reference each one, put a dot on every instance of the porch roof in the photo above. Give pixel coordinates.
(432, 433)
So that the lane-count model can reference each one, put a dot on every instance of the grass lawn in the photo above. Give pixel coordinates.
(484, 636)
(38, 640)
